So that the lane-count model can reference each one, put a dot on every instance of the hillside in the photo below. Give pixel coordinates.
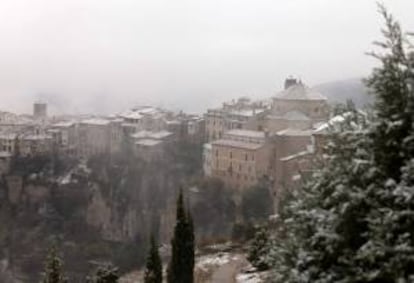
(340, 91)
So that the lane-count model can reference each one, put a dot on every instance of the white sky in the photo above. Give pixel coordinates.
(102, 55)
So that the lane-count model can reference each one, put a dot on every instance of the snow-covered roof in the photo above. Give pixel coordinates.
(140, 134)
(34, 137)
(96, 122)
(294, 132)
(5, 154)
(296, 155)
(172, 122)
(207, 146)
(246, 112)
(151, 135)
(160, 134)
(300, 92)
(148, 142)
(131, 115)
(237, 144)
(246, 133)
(322, 128)
(8, 136)
(65, 124)
(296, 116)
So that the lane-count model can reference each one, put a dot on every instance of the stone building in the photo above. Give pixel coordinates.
(241, 158)
(40, 110)
(240, 114)
(35, 144)
(99, 136)
(8, 142)
(65, 137)
(143, 118)
(5, 159)
(150, 145)
(274, 143)
(302, 102)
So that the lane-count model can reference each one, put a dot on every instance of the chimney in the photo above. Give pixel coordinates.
(290, 81)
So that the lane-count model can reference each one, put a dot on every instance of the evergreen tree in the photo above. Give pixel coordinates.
(53, 272)
(258, 250)
(153, 270)
(181, 266)
(354, 221)
(105, 274)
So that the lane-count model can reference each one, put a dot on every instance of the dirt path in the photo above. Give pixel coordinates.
(227, 272)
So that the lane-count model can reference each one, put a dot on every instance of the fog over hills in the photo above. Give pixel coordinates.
(341, 91)
(105, 103)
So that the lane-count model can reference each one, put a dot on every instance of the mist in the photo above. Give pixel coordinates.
(104, 56)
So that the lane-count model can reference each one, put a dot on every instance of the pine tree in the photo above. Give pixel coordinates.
(392, 86)
(354, 221)
(181, 266)
(105, 274)
(258, 249)
(53, 272)
(153, 270)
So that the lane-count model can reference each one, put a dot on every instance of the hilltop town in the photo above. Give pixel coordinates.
(244, 141)
(102, 167)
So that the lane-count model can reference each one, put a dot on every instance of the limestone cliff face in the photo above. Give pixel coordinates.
(98, 212)
(15, 188)
(126, 224)
(25, 193)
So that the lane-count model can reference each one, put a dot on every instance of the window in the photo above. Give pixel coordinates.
(231, 154)
(245, 157)
(240, 167)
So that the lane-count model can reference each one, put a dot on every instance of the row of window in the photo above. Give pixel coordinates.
(246, 156)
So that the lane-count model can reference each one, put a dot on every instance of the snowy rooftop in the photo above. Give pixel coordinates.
(8, 136)
(96, 122)
(294, 132)
(151, 135)
(36, 137)
(237, 144)
(131, 115)
(322, 128)
(246, 112)
(65, 124)
(5, 154)
(296, 155)
(160, 134)
(140, 134)
(300, 92)
(207, 146)
(148, 142)
(246, 133)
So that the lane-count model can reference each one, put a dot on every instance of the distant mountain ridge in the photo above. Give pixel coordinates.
(341, 91)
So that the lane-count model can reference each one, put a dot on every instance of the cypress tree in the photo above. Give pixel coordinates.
(181, 266)
(191, 247)
(53, 272)
(153, 270)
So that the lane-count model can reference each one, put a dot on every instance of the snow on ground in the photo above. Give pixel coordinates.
(133, 277)
(248, 278)
(211, 261)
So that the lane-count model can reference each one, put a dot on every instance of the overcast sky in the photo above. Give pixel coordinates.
(103, 55)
